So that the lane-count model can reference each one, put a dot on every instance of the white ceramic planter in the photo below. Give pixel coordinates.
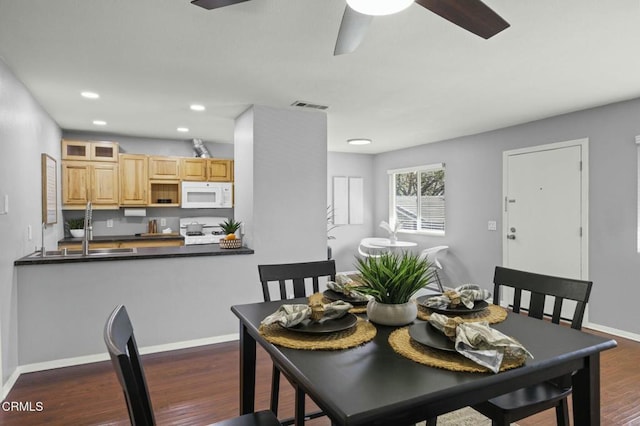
(77, 233)
(384, 314)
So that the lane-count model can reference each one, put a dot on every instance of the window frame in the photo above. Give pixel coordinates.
(392, 197)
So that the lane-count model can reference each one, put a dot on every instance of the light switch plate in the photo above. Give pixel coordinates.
(492, 225)
(109, 223)
(163, 221)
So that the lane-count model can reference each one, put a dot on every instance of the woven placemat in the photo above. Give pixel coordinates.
(404, 345)
(493, 314)
(361, 333)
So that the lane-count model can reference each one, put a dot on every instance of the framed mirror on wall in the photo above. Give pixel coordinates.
(49, 190)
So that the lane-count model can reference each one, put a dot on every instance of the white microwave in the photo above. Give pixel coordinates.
(207, 195)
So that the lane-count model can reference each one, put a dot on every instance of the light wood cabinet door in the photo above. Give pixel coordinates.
(133, 180)
(104, 185)
(84, 181)
(193, 169)
(164, 167)
(90, 151)
(76, 182)
(219, 170)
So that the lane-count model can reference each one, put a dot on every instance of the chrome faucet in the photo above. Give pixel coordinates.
(88, 229)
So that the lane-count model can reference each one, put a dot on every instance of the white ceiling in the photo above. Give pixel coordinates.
(415, 79)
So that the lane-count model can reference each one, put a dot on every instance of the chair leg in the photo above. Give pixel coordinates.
(275, 389)
(432, 422)
(299, 407)
(562, 413)
(439, 282)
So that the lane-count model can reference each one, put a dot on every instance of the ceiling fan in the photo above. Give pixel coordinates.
(472, 15)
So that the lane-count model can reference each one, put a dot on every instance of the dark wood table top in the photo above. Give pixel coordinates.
(372, 384)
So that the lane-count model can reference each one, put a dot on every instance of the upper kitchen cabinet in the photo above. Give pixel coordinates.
(133, 179)
(90, 151)
(193, 169)
(84, 181)
(219, 170)
(164, 167)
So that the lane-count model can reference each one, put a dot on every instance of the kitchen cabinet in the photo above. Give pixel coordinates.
(90, 151)
(84, 181)
(133, 180)
(207, 169)
(194, 169)
(121, 244)
(164, 167)
(219, 170)
(164, 193)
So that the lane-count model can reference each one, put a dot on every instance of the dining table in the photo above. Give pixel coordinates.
(371, 384)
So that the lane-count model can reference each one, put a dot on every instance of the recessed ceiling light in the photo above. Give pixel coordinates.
(359, 141)
(182, 129)
(90, 95)
(196, 107)
(99, 122)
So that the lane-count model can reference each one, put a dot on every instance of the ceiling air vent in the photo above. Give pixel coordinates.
(303, 104)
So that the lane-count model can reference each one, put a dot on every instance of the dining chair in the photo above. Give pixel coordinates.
(525, 402)
(123, 350)
(292, 282)
(431, 254)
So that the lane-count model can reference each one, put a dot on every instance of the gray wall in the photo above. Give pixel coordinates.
(347, 237)
(26, 131)
(474, 193)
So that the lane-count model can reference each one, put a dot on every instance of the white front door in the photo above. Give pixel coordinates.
(545, 210)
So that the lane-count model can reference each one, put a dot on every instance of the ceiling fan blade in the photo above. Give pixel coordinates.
(352, 31)
(472, 15)
(214, 4)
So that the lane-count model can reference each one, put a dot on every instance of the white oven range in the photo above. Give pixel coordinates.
(211, 232)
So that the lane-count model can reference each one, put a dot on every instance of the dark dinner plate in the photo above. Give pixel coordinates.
(329, 326)
(426, 334)
(460, 310)
(334, 295)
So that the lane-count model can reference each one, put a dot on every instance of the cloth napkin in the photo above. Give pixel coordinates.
(345, 285)
(479, 342)
(290, 315)
(466, 294)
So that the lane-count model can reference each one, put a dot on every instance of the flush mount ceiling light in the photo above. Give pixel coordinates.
(182, 129)
(379, 7)
(89, 95)
(359, 141)
(99, 122)
(196, 107)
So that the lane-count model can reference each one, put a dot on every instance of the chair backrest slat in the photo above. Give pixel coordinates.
(123, 350)
(295, 275)
(544, 285)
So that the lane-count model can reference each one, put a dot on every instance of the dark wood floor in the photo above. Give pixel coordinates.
(200, 386)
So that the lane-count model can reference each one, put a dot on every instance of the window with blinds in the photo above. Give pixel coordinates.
(417, 198)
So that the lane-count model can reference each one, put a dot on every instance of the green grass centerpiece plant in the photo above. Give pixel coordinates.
(392, 279)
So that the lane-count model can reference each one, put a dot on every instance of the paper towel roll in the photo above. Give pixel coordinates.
(135, 212)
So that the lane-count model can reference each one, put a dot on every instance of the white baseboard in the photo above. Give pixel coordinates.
(87, 359)
(613, 331)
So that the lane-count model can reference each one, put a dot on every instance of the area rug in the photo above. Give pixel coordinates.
(463, 417)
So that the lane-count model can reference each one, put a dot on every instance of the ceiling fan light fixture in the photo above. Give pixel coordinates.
(359, 141)
(379, 7)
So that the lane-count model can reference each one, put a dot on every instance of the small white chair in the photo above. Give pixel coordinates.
(369, 248)
(431, 254)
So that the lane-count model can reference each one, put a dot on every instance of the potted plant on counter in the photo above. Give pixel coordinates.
(76, 227)
(392, 279)
(231, 240)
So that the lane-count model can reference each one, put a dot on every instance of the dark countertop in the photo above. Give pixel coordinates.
(115, 238)
(141, 253)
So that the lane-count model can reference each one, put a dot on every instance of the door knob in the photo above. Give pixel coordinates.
(511, 237)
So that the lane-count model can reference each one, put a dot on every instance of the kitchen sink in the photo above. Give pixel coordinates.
(92, 252)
